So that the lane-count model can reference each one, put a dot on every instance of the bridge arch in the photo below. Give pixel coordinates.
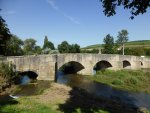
(102, 65)
(30, 74)
(71, 67)
(126, 64)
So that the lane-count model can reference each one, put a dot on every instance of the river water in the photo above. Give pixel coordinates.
(135, 99)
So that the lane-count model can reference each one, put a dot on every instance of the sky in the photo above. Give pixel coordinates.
(75, 21)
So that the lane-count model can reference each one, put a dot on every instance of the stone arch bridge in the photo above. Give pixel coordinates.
(46, 66)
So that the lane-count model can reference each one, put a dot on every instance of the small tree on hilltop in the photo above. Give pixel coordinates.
(108, 44)
(122, 38)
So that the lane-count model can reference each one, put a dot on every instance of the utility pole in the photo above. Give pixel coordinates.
(123, 49)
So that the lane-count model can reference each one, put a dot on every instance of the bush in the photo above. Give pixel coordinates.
(133, 80)
(6, 71)
(117, 82)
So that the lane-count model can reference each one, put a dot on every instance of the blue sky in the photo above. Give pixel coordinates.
(76, 21)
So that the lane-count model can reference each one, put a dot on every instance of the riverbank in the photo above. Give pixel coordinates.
(135, 81)
(63, 99)
(4, 86)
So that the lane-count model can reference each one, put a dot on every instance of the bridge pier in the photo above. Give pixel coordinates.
(116, 65)
(46, 71)
(88, 70)
(135, 65)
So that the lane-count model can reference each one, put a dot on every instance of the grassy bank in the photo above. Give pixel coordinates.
(124, 79)
(24, 105)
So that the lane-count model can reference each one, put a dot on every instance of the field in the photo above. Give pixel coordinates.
(131, 44)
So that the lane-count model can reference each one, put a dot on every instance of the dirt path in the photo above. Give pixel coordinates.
(57, 93)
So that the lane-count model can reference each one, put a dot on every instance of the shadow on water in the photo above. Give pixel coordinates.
(89, 103)
(89, 96)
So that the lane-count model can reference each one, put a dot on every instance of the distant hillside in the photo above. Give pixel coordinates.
(131, 44)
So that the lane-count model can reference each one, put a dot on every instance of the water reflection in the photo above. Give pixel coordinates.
(102, 90)
(33, 88)
(25, 80)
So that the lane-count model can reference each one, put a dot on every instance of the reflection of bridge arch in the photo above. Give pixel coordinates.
(101, 65)
(126, 64)
(71, 67)
(30, 74)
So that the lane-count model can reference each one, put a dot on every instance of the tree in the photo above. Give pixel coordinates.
(4, 36)
(48, 44)
(108, 44)
(136, 7)
(14, 46)
(38, 50)
(29, 46)
(122, 38)
(74, 48)
(64, 47)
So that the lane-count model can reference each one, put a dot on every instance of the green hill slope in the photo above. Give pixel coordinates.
(131, 44)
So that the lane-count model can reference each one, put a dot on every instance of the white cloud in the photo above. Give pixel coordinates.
(72, 19)
(52, 4)
(55, 7)
(11, 12)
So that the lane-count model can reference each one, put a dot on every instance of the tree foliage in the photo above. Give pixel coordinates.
(74, 48)
(147, 51)
(122, 38)
(139, 51)
(108, 44)
(14, 46)
(4, 35)
(48, 44)
(29, 46)
(6, 71)
(38, 49)
(65, 47)
(136, 7)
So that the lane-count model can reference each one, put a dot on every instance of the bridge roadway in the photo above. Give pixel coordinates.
(46, 66)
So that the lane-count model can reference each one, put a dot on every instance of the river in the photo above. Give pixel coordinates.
(135, 99)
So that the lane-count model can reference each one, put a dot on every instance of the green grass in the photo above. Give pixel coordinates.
(29, 105)
(24, 105)
(124, 79)
(131, 44)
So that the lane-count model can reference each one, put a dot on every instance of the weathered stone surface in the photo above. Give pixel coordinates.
(45, 65)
